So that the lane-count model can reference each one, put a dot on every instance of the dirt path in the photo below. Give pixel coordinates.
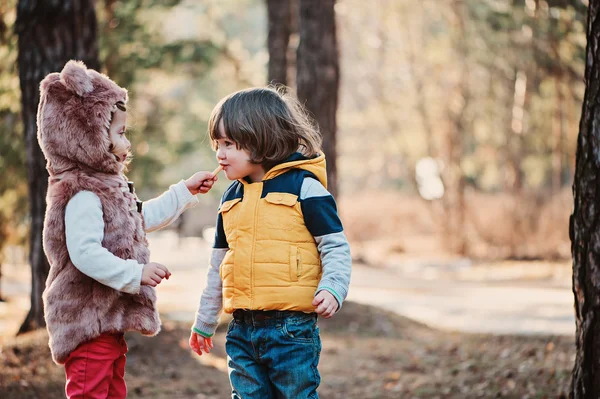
(515, 298)
(491, 305)
(527, 298)
(368, 352)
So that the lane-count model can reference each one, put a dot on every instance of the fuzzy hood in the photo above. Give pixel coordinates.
(73, 119)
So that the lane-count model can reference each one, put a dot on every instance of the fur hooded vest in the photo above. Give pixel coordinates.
(73, 118)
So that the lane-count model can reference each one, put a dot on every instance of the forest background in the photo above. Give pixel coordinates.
(457, 120)
(490, 90)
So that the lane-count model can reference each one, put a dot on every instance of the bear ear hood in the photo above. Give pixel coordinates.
(75, 78)
(73, 119)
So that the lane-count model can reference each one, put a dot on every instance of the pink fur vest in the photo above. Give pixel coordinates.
(73, 118)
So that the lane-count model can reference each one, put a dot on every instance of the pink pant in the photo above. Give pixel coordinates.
(96, 369)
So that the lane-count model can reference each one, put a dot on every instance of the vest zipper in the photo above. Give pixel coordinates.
(295, 264)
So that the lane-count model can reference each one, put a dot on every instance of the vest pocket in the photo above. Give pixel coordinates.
(280, 211)
(295, 263)
(229, 218)
(227, 205)
(281, 199)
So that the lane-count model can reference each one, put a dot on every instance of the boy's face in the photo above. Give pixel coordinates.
(116, 132)
(235, 161)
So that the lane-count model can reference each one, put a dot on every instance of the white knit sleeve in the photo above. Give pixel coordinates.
(84, 230)
(166, 208)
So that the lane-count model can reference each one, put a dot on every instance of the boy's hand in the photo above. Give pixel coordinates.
(326, 304)
(200, 182)
(153, 273)
(200, 344)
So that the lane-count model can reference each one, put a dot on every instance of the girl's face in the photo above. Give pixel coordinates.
(116, 132)
(236, 162)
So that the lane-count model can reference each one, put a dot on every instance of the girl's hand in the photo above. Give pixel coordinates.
(200, 182)
(153, 273)
(200, 344)
(326, 304)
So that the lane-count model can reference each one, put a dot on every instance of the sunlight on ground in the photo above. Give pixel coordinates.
(187, 260)
(443, 292)
(16, 290)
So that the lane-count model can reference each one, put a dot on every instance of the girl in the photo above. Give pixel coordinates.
(101, 281)
(280, 257)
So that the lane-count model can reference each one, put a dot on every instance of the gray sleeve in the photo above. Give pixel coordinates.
(336, 263)
(333, 246)
(211, 301)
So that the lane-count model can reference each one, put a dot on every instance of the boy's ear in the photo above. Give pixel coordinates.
(75, 78)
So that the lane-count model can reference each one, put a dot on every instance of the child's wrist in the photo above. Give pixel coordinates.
(185, 194)
(205, 335)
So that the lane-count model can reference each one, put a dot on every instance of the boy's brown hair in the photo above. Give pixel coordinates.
(268, 123)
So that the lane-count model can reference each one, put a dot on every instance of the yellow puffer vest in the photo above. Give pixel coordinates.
(272, 262)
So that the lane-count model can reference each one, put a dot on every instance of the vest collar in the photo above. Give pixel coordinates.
(315, 165)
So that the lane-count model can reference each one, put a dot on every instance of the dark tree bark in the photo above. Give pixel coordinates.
(278, 39)
(51, 32)
(584, 228)
(318, 74)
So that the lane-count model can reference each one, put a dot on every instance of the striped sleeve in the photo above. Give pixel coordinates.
(322, 220)
(211, 301)
(319, 209)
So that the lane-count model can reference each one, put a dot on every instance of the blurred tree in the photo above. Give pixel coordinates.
(13, 185)
(404, 86)
(133, 41)
(159, 67)
(3, 237)
(278, 38)
(539, 56)
(50, 33)
(458, 116)
(583, 229)
(318, 74)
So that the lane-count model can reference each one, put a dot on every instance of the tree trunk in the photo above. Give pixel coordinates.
(110, 61)
(583, 228)
(318, 74)
(293, 44)
(1, 297)
(51, 32)
(279, 20)
(3, 237)
(420, 75)
(454, 179)
(558, 134)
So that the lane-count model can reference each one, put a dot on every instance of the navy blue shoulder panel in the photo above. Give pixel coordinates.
(288, 182)
(220, 238)
(235, 190)
(320, 216)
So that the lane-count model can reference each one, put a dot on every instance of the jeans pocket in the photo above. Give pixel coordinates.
(230, 326)
(300, 328)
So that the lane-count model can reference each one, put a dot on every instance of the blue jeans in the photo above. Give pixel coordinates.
(273, 354)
